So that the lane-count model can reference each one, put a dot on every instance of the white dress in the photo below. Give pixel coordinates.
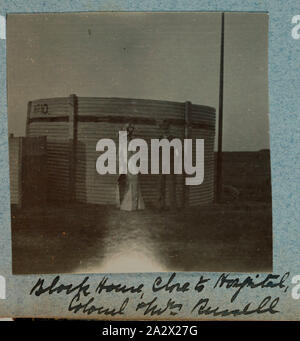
(129, 194)
(133, 199)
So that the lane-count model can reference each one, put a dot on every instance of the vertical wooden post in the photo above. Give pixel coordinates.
(43, 168)
(73, 110)
(220, 126)
(21, 160)
(187, 111)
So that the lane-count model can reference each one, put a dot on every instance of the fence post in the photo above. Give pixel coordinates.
(73, 110)
(220, 127)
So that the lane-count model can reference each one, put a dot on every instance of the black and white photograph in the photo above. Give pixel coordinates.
(139, 142)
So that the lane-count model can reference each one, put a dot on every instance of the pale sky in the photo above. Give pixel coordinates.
(162, 56)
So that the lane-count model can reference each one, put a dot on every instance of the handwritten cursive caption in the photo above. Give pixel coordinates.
(168, 296)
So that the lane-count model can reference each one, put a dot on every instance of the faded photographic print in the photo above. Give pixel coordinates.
(139, 142)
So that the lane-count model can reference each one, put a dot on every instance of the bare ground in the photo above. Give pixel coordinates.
(222, 238)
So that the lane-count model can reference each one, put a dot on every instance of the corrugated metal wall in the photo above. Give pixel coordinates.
(15, 145)
(50, 117)
(87, 119)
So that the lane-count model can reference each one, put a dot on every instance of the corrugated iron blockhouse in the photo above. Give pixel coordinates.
(73, 125)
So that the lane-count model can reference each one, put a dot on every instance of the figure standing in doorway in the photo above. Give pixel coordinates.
(129, 195)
